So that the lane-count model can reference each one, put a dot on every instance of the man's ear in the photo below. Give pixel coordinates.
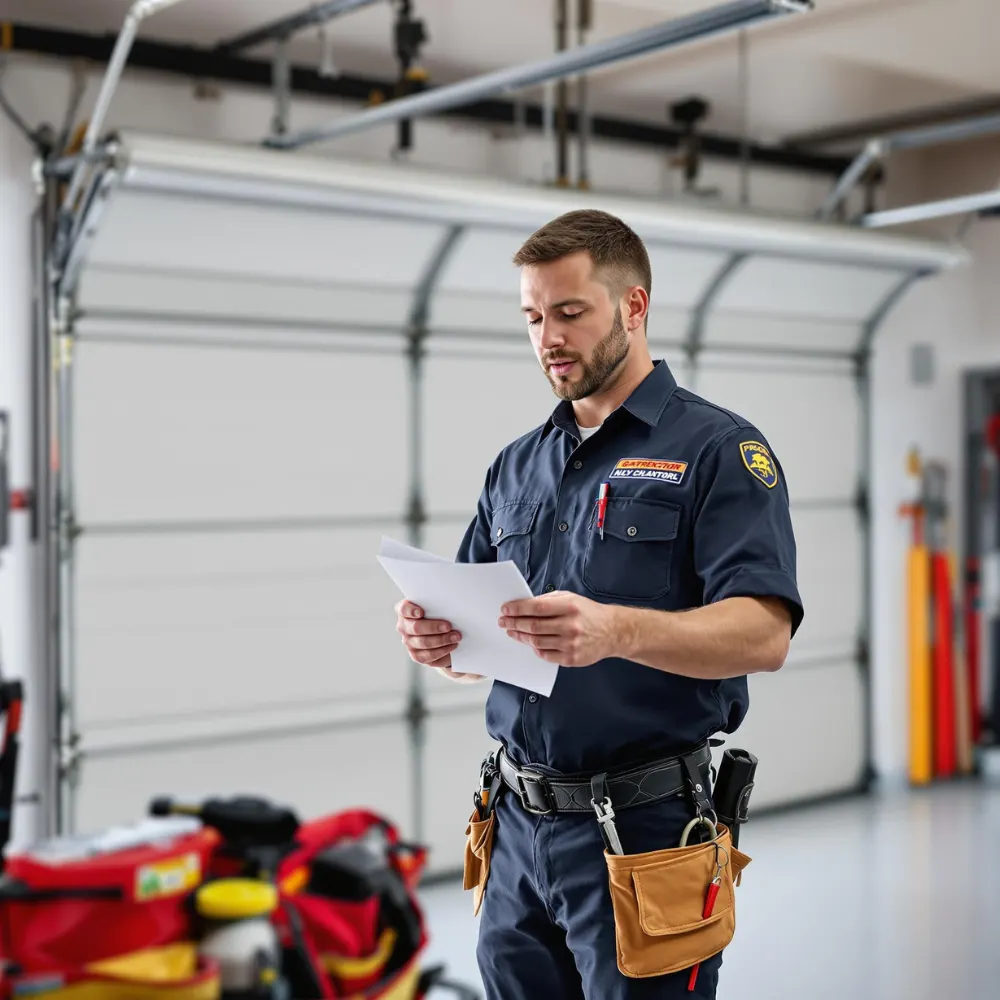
(635, 305)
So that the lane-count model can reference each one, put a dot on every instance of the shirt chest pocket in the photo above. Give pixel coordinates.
(634, 559)
(511, 528)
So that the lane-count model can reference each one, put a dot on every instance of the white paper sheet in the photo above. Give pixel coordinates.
(391, 549)
(470, 595)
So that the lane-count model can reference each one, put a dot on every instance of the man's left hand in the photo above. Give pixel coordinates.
(563, 627)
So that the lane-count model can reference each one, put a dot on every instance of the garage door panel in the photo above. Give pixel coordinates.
(174, 624)
(456, 745)
(444, 538)
(301, 243)
(167, 433)
(829, 573)
(791, 333)
(482, 262)
(668, 328)
(463, 312)
(498, 401)
(806, 727)
(315, 773)
(809, 417)
(806, 288)
(189, 294)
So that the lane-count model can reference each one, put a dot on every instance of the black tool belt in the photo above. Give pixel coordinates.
(545, 795)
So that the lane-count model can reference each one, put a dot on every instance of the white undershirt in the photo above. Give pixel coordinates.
(586, 432)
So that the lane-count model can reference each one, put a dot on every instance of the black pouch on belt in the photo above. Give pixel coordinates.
(733, 787)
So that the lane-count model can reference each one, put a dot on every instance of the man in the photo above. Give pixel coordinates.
(656, 604)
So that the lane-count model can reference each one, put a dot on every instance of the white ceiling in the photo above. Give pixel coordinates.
(844, 61)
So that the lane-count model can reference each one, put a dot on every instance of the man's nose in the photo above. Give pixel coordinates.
(551, 335)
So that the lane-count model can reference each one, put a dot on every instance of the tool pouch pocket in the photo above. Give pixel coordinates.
(659, 899)
(478, 848)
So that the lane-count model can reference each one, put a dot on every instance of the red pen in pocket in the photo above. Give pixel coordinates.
(602, 507)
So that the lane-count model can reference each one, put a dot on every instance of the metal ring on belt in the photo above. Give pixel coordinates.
(545, 795)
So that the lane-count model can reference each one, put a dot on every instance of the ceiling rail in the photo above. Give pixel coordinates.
(715, 21)
(285, 27)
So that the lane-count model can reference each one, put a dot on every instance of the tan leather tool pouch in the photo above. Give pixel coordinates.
(659, 899)
(478, 848)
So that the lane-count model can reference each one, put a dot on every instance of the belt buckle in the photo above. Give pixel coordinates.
(523, 779)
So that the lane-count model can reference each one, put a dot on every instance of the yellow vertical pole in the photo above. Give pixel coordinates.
(921, 742)
(918, 632)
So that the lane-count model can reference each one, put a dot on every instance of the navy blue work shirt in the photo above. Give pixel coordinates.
(697, 512)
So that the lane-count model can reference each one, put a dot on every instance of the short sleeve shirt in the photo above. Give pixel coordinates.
(697, 512)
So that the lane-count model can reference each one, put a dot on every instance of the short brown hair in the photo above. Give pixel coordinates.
(615, 249)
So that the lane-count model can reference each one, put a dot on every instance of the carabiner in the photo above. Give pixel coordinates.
(704, 821)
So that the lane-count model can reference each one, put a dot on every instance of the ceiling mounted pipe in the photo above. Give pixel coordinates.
(919, 138)
(716, 21)
(932, 210)
(137, 13)
(284, 27)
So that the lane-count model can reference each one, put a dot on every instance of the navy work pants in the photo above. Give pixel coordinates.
(547, 929)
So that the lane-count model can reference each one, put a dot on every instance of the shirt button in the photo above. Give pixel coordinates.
(550, 588)
(631, 531)
(532, 698)
(578, 464)
(564, 526)
(499, 532)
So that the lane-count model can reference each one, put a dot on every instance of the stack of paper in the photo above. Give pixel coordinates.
(470, 596)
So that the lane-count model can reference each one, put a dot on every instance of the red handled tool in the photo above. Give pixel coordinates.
(602, 507)
(710, 898)
(713, 892)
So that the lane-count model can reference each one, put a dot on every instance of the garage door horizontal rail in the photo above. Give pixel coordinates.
(110, 529)
(251, 734)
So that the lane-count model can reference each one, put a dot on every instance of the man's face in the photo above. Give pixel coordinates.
(575, 327)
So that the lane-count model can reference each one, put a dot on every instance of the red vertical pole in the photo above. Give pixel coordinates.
(945, 749)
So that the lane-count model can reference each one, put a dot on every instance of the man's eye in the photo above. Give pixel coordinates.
(535, 321)
(572, 315)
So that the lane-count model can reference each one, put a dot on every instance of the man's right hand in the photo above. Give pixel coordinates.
(430, 641)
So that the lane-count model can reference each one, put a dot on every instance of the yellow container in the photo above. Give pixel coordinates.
(236, 899)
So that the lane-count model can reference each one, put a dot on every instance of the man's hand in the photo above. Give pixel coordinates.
(563, 627)
(430, 641)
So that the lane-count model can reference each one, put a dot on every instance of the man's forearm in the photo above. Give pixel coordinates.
(736, 636)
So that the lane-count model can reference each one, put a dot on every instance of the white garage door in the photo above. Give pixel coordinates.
(247, 424)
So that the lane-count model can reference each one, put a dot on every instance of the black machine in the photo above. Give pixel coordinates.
(982, 553)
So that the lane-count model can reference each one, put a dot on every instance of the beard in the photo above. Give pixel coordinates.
(607, 356)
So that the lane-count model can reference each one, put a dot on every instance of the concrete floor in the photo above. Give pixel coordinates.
(893, 896)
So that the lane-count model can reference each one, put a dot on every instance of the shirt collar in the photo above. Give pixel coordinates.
(649, 398)
(647, 401)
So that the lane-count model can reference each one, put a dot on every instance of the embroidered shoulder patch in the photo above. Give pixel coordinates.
(650, 468)
(758, 460)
